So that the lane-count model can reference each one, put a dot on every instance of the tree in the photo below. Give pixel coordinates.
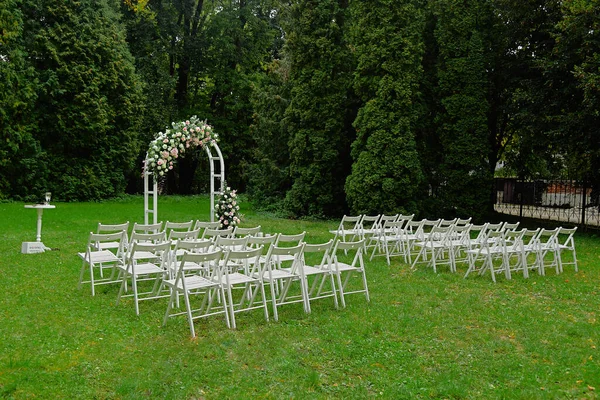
(388, 45)
(320, 112)
(88, 105)
(21, 170)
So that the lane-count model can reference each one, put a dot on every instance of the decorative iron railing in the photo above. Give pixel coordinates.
(572, 202)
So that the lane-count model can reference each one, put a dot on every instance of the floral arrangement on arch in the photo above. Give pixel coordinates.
(227, 209)
(171, 144)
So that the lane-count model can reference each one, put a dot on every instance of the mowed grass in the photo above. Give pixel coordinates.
(423, 335)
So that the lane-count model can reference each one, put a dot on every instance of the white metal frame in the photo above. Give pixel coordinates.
(217, 173)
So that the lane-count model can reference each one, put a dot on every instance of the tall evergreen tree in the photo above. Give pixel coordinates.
(387, 38)
(21, 171)
(320, 113)
(463, 174)
(88, 107)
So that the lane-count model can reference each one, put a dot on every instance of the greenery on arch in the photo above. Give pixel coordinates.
(172, 144)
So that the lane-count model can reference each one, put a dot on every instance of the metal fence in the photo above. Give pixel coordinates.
(572, 202)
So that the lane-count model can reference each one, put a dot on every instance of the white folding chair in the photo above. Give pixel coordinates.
(244, 285)
(97, 258)
(146, 262)
(389, 241)
(547, 250)
(280, 275)
(206, 288)
(436, 249)
(565, 241)
(318, 270)
(347, 261)
(490, 250)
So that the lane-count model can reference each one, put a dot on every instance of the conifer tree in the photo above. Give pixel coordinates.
(386, 173)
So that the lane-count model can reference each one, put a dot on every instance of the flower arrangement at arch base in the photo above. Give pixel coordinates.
(227, 209)
(171, 144)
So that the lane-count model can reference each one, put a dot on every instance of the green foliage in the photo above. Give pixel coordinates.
(21, 168)
(386, 171)
(319, 115)
(88, 103)
(462, 179)
(268, 180)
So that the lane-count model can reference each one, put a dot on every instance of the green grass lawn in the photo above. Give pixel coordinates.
(423, 335)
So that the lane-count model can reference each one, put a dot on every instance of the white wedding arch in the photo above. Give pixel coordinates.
(172, 144)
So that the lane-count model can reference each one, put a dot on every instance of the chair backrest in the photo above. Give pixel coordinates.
(112, 228)
(203, 225)
(212, 234)
(393, 228)
(548, 237)
(209, 261)
(462, 221)
(196, 246)
(150, 238)
(413, 227)
(147, 228)
(178, 226)
(249, 259)
(566, 237)
(320, 250)
(428, 224)
(495, 227)
(461, 234)
(184, 235)
(440, 234)
(246, 231)
(446, 222)
(151, 251)
(293, 260)
(369, 223)
(231, 243)
(265, 241)
(290, 239)
(385, 218)
(510, 226)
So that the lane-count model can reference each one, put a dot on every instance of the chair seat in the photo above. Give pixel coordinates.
(347, 267)
(308, 270)
(193, 282)
(147, 268)
(237, 278)
(144, 255)
(99, 257)
(281, 273)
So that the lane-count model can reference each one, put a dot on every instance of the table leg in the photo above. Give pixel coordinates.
(40, 211)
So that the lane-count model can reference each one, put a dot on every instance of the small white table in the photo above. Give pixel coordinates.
(37, 246)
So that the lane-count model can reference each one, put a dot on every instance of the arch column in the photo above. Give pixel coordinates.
(217, 179)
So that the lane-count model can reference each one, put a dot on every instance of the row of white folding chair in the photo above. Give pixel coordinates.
(243, 269)
(514, 247)
(398, 238)
(360, 226)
